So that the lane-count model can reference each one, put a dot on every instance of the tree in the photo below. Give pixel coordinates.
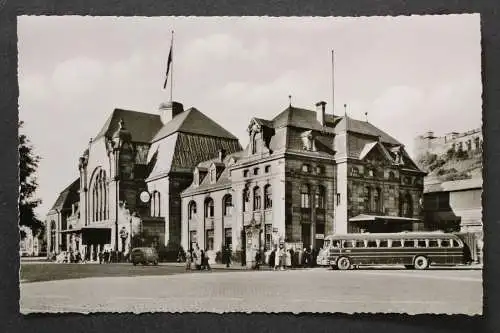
(28, 164)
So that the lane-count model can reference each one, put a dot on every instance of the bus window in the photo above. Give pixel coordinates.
(372, 243)
(453, 243)
(383, 243)
(433, 243)
(445, 243)
(421, 243)
(396, 243)
(406, 243)
(360, 244)
(347, 244)
(336, 244)
(326, 244)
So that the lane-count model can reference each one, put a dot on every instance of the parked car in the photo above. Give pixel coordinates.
(144, 255)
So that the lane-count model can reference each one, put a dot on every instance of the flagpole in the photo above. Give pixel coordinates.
(333, 87)
(172, 74)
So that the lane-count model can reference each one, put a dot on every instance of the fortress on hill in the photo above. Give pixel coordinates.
(470, 141)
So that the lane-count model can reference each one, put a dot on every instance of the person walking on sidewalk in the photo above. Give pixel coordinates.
(188, 260)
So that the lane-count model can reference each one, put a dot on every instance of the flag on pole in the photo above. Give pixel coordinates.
(169, 61)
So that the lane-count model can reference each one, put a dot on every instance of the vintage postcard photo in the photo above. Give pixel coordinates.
(251, 164)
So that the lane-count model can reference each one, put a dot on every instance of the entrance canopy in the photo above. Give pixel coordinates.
(373, 218)
(96, 235)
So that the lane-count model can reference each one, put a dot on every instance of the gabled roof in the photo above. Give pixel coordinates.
(194, 122)
(142, 126)
(370, 146)
(70, 191)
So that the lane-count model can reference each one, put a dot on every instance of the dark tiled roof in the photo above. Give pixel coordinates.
(194, 122)
(142, 126)
(70, 192)
(301, 118)
(366, 128)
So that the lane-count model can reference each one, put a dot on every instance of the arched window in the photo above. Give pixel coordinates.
(100, 197)
(256, 198)
(305, 196)
(246, 200)
(320, 197)
(191, 210)
(268, 201)
(209, 208)
(228, 205)
(155, 204)
(392, 176)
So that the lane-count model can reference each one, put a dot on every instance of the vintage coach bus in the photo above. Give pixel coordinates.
(416, 250)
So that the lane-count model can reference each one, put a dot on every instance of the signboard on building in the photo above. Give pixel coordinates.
(320, 236)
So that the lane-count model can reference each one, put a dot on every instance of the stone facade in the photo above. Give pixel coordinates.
(304, 174)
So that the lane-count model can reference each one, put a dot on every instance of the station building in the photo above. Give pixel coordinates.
(130, 179)
(304, 174)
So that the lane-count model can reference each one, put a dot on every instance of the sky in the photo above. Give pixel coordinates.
(411, 74)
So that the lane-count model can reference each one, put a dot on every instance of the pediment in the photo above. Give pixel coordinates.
(375, 153)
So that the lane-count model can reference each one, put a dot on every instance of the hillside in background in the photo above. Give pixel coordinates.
(454, 165)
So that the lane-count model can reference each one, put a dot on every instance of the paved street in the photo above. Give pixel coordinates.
(448, 291)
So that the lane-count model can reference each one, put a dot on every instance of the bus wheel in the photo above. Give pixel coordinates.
(421, 262)
(343, 263)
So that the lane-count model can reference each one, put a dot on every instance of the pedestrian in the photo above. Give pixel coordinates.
(277, 257)
(272, 257)
(100, 257)
(292, 258)
(188, 261)
(227, 256)
(206, 264)
(202, 260)
(257, 260)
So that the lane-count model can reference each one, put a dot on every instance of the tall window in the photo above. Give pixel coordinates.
(246, 200)
(305, 168)
(210, 240)
(155, 204)
(209, 208)
(268, 201)
(320, 197)
(228, 205)
(305, 196)
(53, 236)
(408, 205)
(191, 210)
(368, 199)
(100, 197)
(392, 176)
(377, 200)
(256, 198)
(254, 143)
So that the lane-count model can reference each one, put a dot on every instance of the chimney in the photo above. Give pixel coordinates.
(169, 110)
(320, 112)
(222, 154)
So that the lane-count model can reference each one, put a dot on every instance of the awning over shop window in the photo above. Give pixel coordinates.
(373, 218)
